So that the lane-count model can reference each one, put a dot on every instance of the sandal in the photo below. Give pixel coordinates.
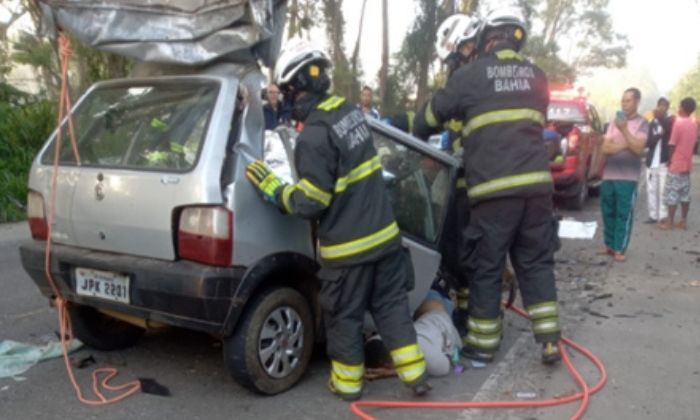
(664, 226)
(605, 251)
(619, 257)
(682, 225)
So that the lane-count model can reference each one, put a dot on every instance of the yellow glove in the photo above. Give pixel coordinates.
(265, 181)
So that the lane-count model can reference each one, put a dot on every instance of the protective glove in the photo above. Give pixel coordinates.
(265, 181)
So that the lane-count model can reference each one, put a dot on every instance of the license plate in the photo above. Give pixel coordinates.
(102, 284)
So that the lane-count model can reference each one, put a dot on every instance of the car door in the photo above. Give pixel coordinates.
(597, 157)
(420, 180)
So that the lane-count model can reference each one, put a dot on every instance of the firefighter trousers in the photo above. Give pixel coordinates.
(380, 287)
(455, 264)
(525, 229)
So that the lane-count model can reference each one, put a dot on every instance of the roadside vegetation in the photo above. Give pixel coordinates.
(25, 123)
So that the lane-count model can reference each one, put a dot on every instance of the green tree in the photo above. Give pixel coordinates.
(343, 82)
(688, 85)
(582, 28)
(417, 54)
(301, 18)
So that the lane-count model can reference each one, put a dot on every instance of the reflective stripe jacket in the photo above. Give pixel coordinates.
(341, 185)
(502, 99)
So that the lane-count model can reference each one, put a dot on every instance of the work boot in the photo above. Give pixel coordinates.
(478, 356)
(345, 397)
(420, 386)
(550, 353)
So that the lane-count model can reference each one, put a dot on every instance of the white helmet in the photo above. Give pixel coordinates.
(296, 54)
(505, 17)
(454, 31)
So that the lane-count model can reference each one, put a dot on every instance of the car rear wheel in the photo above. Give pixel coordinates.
(272, 345)
(594, 190)
(101, 331)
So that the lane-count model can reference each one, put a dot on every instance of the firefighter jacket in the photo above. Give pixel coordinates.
(502, 100)
(341, 185)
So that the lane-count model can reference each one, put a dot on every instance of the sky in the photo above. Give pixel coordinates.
(665, 39)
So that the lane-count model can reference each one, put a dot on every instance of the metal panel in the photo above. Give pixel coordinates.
(191, 32)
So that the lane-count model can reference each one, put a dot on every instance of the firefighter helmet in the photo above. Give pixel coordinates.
(455, 31)
(297, 55)
(509, 20)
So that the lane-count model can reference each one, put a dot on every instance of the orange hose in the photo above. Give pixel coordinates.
(584, 395)
(65, 329)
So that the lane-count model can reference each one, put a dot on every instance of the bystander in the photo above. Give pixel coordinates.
(683, 138)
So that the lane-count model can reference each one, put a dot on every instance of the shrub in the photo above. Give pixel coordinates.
(25, 123)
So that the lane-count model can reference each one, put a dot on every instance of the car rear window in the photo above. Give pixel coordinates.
(568, 112)
(158, 126)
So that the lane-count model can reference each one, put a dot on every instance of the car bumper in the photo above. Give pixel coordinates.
(179, 293)
(565, 177)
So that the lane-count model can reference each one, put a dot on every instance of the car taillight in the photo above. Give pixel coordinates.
(205, 235)
(37, 216)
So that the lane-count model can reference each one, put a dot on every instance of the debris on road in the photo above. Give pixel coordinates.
(85, 362)
(525, 395)
(600, 297)
(16, 358)
(594, 313)
(573, 229)
(478, 365)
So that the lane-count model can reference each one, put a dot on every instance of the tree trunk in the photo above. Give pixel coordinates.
(292, 22)
(554, 27)
(354, 96)
(335, 25)
(384, 69)
(426, 56)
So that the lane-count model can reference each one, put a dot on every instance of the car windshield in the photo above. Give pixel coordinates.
(565, 111)
(159, 126)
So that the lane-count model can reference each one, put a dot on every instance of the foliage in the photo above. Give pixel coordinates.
(410, 71)
(582, 28)
(605, 89)
(688, 85)
(25, 123)
(36, 51)
(301, 16)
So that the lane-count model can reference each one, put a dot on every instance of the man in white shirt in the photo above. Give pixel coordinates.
(657, 161)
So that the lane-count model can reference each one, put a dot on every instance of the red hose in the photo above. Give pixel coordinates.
(584, 395)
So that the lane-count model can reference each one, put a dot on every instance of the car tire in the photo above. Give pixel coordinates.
(271, 347)
(594, 191)
(576, 202)
(101, 331)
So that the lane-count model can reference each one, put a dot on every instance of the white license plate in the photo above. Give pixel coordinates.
(102, 284)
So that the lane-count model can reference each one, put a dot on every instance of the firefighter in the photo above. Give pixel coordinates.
(502, 99)
(456, 46)
(364, 266)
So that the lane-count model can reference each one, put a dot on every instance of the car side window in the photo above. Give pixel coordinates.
(418, 185)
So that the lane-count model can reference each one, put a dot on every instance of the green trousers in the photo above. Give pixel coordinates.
(617, 200)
